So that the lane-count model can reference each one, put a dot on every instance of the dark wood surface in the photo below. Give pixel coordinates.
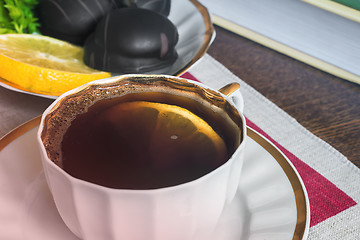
(326, 105)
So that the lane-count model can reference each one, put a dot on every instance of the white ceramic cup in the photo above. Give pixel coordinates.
(186, 211)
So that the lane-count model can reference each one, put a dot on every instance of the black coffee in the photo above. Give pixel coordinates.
(138, 142)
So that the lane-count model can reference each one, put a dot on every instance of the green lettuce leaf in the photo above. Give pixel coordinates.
(17, 16)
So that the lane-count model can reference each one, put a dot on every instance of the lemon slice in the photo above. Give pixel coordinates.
(165, 129)
(43, 65)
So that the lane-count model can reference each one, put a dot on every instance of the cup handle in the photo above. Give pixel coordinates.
(232, 90)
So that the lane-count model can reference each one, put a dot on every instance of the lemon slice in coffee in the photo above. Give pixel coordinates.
(43, 65)
(141, 145)
(171, 132)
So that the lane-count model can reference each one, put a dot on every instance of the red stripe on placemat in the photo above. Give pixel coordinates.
(326, 200)
(188, 75)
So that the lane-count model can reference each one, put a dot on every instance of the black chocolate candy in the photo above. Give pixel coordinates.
(71, 20)
(159, 6)
(132, 40)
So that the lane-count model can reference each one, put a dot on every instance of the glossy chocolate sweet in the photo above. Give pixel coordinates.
(132, 40)
(159, 6)
(71, 20)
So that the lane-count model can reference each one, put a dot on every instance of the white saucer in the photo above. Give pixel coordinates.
(271, 202)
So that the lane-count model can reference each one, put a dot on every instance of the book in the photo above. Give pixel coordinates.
(310, 34)
(347, 8)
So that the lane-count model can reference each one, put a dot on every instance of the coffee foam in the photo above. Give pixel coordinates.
(66, 109)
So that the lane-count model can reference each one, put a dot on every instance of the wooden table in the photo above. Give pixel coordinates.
(326, 105)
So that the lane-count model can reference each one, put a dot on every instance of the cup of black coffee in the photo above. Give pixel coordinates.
(143, 156)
